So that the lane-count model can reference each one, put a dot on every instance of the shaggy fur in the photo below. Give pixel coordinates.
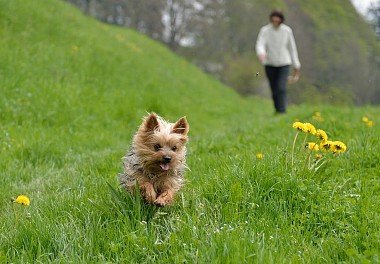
(157, 160)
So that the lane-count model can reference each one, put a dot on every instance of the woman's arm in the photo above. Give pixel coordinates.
(260, 46)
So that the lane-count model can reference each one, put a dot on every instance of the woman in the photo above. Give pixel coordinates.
(276, 49)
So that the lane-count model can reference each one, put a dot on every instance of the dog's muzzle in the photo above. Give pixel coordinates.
(167, 159)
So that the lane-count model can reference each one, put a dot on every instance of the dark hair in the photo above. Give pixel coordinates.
(277, 13)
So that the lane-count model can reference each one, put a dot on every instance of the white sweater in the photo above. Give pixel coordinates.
(278, 45)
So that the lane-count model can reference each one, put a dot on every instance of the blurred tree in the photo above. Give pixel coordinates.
(178, 17)
(145, 16)
(374, 16)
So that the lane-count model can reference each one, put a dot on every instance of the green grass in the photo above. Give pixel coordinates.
(73, 92)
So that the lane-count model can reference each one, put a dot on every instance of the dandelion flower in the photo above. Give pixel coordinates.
(259, 155)
(370, 123)
(312, 146)
(310, 128)
(22, 199)
(365, 119)
(327, 145)
(299, 126)
(321, 134)
(318, 156)
(339, 147)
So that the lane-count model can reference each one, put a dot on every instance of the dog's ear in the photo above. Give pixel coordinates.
(181, 126)
(151, 123)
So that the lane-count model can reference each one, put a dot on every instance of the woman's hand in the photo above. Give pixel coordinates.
(262, 58)
(295, 76)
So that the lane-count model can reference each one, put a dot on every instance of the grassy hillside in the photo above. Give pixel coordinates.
(72, 97)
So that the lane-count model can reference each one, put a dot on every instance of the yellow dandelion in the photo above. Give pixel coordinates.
(318, 156)
(310, 128)
(370, 123)
(321, 134)
(299, 126)
(339, 147)
(312, 146)
(327, 145)
(259, 155)
(22, 199)
(365, 119)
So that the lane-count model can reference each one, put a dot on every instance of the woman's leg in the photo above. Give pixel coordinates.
(282, 80)
(272, 73)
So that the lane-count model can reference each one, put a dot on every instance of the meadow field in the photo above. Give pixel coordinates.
(72, 94)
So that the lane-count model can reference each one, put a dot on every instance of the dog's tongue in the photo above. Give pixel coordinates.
(164, 166)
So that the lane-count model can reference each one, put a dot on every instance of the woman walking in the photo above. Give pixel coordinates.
(276, 50)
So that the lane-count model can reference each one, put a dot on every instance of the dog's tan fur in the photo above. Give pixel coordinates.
(145, 165)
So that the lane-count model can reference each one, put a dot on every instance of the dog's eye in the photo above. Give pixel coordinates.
(174, 148)
(157, 147)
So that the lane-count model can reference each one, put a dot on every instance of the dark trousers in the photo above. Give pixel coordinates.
(278, 78)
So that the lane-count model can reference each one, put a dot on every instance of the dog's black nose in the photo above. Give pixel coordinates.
(167, 159)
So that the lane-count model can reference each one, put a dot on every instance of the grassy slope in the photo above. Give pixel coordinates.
(72, 94)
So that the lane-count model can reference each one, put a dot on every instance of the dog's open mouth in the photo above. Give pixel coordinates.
(164, 166)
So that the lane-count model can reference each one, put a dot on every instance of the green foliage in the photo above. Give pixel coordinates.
(304, 93)
(73, 92)
(239, 72)
(344, 50)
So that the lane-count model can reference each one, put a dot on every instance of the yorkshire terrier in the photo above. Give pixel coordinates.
(157, 160)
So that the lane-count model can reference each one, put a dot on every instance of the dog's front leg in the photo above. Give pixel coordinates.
(148, 192)
(165, 198)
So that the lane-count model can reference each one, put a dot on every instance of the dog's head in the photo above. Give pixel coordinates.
(161, 146)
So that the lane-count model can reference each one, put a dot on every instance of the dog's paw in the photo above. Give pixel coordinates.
(161, 202)
(150, 196)
(148, 192)
(164, 199)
